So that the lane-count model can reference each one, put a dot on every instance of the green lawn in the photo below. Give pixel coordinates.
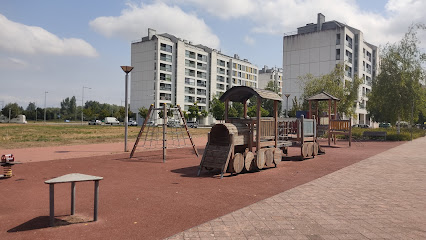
(54, 134)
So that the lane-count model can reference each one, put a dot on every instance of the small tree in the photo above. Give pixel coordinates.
(217, 109)
(334, 84)
(397, 91)
(143, 112)
(15, 110)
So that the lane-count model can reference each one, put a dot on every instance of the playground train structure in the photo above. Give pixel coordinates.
(252, 144)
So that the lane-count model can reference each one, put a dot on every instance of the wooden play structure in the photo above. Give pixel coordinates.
(251, 144)
(154, 134)
(335, 126)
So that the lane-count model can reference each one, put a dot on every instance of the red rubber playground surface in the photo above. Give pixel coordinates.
(143, 198)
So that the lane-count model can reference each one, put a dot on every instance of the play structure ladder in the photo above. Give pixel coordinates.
(216, 157)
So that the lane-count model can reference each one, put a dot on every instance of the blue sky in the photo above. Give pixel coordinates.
(60, 46)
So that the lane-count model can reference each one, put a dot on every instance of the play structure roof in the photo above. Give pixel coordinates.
(242, 93)
(323, 96)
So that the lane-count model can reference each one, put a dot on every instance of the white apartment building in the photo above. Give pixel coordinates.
(171, 70)
(271, 74)
(318, 48)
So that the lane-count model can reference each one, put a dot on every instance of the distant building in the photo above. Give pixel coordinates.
(271, 74)
(171, 70)
(318, 48)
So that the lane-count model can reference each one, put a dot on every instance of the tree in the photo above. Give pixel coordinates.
(217, 108)
(334, 84)
(268, 104)
(143, 112)
(397, 90)
(30, 111)
(15, 110)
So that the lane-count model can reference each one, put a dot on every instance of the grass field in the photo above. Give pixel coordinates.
(55, 134)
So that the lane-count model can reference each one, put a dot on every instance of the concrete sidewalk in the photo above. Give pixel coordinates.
(382, 197)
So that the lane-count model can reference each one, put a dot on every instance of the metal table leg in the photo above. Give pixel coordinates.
(95, 212)
(52, 204)
(72, 198)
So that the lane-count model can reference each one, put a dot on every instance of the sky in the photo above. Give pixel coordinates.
(66, 47)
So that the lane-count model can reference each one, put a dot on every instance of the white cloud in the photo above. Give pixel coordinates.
(282, 16)
(249, 40)
(133, 23)
(19, 38)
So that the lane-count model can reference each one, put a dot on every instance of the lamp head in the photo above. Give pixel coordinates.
(127, 69)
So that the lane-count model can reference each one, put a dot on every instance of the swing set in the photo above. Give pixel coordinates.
(155, 136)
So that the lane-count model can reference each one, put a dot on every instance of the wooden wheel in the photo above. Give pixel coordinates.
(236, 164)
(260, 159)
(310, 149)
(305, 150)
(248, 161)
(278, 154)
(316, 147)
(269, 157)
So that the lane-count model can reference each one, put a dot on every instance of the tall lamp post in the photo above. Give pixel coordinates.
(126, 69)
(45, 93)
(286, 109)
(82, 107)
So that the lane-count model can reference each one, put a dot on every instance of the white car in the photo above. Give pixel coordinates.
(132, 123)
(111, 121)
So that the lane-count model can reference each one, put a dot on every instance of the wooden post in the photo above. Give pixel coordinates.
(226, 109)
(164, 132)
(276, 122)
(350, 132)
(187, 131)
(335, 109)
(72, 198)
(245, 109)
(52, 204)
(317, 110)
(329, 120)
(310, 109)
(141, 131)
(95, 205)
(259, 115)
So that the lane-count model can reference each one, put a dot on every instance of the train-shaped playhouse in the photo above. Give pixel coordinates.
(251, 144)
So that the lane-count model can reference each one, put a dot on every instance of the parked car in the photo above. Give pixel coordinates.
(95, 122)
(132, 123)
(111, 121)
(361, 126)
(385, 125)
(173, 123)
(192, 124)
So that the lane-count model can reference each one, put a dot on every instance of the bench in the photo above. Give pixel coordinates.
(374, 134)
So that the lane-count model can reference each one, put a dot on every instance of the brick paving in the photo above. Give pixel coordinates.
(382, 197)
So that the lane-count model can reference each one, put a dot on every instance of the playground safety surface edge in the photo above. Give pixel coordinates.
(143, 198)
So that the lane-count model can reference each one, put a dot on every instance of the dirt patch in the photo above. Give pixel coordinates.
(143, 198)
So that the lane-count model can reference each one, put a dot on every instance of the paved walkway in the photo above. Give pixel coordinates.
(382, 197)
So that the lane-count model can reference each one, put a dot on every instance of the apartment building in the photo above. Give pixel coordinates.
(271, 74)
(175, 71)
(318, 48)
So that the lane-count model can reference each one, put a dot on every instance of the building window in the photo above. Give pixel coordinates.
(201, 92)
(338, 39)
(201, 83)
(349, 41)
(189, 90)
(201, 75)
(220, 86)
(166, 48)
(190, 81)
(189, 72)
(337, 54)
(202, 57)
(165, 96)
(165, 67)
(165, 87)
(165, 57)
(165, 77)
(349, 56)
(220, 70)
(221, 63)
(220, 78)
(189, 54)
(189, 99)
(348, 71)
(368, 56)
(201, 100)
(202, 66)
(189, 63)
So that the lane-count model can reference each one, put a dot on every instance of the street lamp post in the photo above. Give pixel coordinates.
(45, 94)
(82, 107)
(286, 109)
(126, 69)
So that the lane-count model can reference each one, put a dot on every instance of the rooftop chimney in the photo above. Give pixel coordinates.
(151, 33)
(320, 21)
